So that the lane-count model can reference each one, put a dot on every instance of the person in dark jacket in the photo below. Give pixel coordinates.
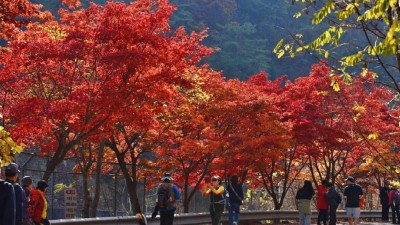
(11, 173)
(235, 193)
(167, 212)
(384, 197)
(303, 200)
(334, 199)
(27, 183)
(216, 192)
(7, 203)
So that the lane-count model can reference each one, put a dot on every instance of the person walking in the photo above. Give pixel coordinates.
(322, 203)
(303, 200)
(11, 172)
(334, 199)
(167, 194)
(7, 202)
(217, 199)
(384, 199)
(352, 193)
(235, 192)
(394, 201)
(27, 184)
(38, 206)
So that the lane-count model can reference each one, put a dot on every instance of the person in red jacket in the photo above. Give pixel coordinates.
(322, 203)
(38, 207)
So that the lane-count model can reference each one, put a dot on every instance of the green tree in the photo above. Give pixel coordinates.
(359, 33)
(240, 54)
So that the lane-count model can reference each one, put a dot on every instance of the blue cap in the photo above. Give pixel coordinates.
(12, 168)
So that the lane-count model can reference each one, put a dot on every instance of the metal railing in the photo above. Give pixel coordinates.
(204, 218)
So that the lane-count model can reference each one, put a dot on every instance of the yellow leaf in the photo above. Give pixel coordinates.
(281, 53)
(297, 15)
(373, 136)
(278, 46)
(335, 84)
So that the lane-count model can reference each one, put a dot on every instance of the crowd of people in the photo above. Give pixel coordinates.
(230, 197)
(328, 200)
(22, 204)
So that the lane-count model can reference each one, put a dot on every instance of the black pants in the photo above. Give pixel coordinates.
(332, 215)
(322, 216)
(167, 217)
(385, 212)
(216, 211)
(395, 212)
(43, 221)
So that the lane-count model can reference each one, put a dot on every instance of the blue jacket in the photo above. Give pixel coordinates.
(19, 201)
(7, 203)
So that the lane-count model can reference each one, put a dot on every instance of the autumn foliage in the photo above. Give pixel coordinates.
(115, 83)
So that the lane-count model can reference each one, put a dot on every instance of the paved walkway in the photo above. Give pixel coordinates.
(366, 223)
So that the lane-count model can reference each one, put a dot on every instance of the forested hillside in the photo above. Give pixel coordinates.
(243, 32)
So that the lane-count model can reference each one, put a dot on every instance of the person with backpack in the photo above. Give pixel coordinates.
(303, 202)
(235, 192)
(167, 194)
(334, 199)
(384, 199)
(7, 203)
(11, 173)
(216, 191)
(394, 201)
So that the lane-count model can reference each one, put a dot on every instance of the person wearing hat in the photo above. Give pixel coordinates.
(216, 191)
(7, 203)
(384, 199)
(352, 193)
(27, 183)
(11, 171)
(38, 206)
(167, 194)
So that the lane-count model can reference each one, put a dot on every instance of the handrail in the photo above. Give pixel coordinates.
(204, 218)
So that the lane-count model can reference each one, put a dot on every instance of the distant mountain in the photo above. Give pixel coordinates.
(244, 32)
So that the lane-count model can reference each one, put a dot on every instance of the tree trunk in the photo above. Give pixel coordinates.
(86, 195)
(53, 163)
(59, 156)
(96, 198)
(131, 182)
(133, 193)
(186, 199)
